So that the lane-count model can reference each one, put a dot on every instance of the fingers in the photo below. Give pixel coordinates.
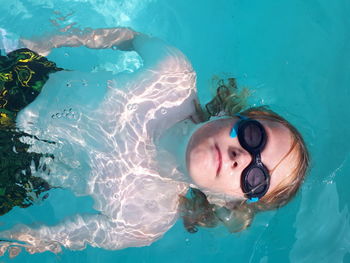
(14, 251)
(13, 248)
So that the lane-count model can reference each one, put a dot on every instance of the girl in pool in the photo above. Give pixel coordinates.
(140, 142)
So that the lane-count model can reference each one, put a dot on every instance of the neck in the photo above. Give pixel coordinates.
(172, 146)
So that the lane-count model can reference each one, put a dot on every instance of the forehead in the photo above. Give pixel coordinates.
(277, 156)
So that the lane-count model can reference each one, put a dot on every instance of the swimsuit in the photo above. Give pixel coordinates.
(23, 73)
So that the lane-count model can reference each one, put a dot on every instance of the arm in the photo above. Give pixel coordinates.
(135, 221)
(120, 38)
(159, 59)
(153, 51)
(74, 233)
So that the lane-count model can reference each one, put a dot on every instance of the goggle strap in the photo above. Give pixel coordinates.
(241, 116)
(233, 133)
(252, 200)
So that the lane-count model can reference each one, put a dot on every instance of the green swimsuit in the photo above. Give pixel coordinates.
(23, 73)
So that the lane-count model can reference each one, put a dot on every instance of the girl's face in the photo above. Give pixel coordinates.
(215, 160)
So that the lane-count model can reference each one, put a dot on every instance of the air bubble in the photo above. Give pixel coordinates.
(65, 113)
(58, 115)
(114, 47)
(135, 106)
(163, 111)
(84, 83)
(109, 184)
(66, 54)
(69, 114)
(129, 107)
(68, 84)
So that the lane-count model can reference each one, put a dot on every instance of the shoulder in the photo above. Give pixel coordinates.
(161, 56)
(174, 61)
(152, 205)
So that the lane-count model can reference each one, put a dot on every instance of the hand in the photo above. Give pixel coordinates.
(25, 238)
(41, 47)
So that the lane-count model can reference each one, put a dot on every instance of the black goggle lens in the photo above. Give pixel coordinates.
(256, 180)
(252, 135)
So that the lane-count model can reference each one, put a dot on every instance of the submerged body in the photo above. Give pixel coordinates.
(122, 140)
(105, 146)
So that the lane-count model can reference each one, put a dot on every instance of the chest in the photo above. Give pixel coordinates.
(152, 102)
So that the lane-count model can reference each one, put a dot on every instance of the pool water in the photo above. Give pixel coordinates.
(294, 55)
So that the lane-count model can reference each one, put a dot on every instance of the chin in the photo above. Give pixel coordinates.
(200, 166)
(201, 176)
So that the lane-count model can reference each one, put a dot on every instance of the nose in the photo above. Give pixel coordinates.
(239, 159)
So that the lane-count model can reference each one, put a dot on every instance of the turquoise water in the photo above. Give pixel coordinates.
(293, 54)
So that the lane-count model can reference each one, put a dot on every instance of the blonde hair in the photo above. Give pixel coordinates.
(237, 216)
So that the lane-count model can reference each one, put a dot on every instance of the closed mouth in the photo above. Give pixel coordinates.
(219, 159)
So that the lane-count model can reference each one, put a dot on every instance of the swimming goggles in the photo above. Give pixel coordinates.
(255, 178)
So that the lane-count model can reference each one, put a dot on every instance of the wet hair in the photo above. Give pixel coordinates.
(238, 215)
